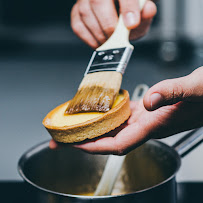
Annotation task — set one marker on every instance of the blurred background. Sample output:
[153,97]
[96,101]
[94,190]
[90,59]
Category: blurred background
[42,63]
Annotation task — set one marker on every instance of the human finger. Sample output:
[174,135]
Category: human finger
[149,10]
[130,10]
[188,88]
[53,144]
[136,110]
[90,21]
[56,145]
[177,118]
[121,144]
[106,14]
[80,29]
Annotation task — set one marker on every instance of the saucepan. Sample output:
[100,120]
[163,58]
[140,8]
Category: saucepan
[70,175]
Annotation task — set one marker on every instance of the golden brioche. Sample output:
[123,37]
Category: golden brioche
[69,128]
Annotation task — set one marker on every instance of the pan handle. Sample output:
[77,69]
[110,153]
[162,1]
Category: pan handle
[189,142]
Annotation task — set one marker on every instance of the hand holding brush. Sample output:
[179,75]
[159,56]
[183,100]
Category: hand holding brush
[103,76]
[65,133]
[94,21]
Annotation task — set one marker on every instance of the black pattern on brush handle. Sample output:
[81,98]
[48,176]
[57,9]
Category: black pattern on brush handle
[109,60]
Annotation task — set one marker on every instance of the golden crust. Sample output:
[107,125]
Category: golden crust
[92,128]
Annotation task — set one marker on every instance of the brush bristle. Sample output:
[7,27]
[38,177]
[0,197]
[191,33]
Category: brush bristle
[96,92]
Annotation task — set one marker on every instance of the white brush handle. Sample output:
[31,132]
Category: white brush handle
[120,37]
[111,171]
[114,163]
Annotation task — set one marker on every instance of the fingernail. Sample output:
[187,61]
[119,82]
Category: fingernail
[155,101]
[131,19]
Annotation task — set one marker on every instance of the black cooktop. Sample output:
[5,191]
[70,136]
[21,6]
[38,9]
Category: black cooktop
[19,192]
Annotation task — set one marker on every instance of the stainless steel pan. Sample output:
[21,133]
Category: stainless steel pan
[67,174]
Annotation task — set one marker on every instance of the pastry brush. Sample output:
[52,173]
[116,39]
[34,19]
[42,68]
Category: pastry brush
[103,76]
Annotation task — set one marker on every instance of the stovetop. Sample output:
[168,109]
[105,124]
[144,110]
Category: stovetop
[19,192]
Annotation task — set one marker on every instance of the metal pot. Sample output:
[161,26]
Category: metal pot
[68,175]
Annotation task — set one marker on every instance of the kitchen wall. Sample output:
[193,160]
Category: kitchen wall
[42,63]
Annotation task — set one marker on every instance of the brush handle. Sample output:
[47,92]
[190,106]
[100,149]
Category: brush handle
[114,163]
[120,37]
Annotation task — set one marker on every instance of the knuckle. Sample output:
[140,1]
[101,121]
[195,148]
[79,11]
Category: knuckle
[119,148]
[101,38]
[83,9]
[109,28]
[177,92]
[76,27]
[120,151]
[95,2]
[94,45]
[83,12]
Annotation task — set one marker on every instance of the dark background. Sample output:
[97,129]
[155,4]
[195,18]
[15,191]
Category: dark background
[35,12]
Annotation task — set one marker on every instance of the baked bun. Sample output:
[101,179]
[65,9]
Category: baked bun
[70,128]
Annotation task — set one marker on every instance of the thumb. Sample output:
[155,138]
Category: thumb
[167,92]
